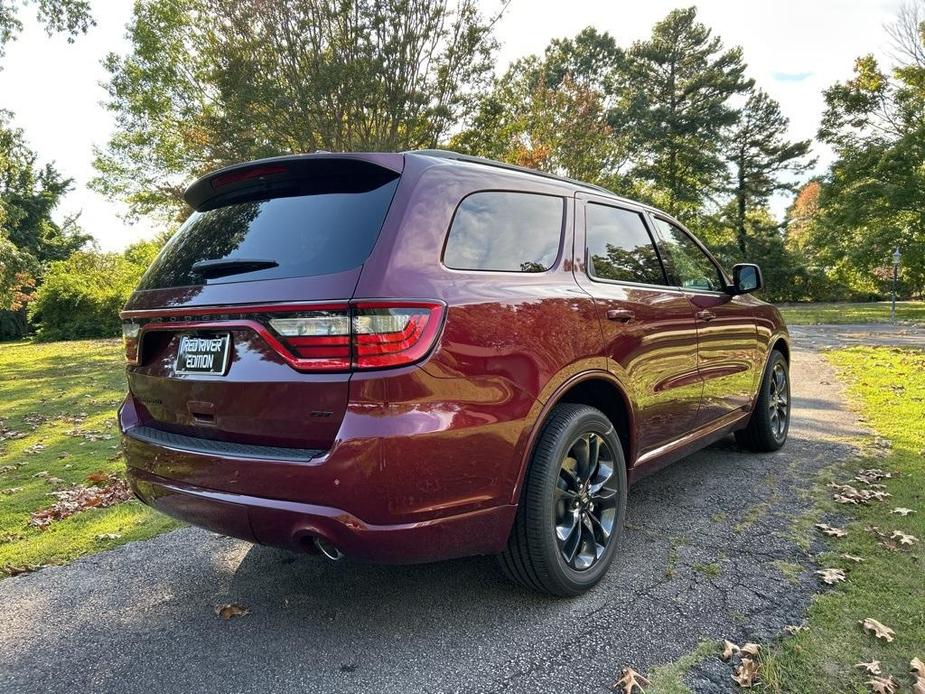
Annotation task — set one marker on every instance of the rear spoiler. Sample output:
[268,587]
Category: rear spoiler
[253,177]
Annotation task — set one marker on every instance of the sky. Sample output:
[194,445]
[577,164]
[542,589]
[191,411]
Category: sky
[794,50]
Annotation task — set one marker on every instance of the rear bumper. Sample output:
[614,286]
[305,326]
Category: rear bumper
[294,525]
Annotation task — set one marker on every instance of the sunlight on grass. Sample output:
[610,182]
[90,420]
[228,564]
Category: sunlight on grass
[63,397]
[841,313]
[889,585]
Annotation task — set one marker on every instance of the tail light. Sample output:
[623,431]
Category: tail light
[340,337]
[130,330]
[387,334]
[319,339]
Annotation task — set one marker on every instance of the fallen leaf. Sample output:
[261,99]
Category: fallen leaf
[11,570]
[917,666]
[231,609]
[872,668]
[80,498]
[11,490]
[97,477]
[882,685]
[729,649]
[846,494]
[903,538]
[793,629]
[108,536]
[752,649]
[831,576]
[884,540]
[830,531]
[746,673]
[918,687]
[881,631]
[872,475]
[630,679]
[902,511]
[851,557]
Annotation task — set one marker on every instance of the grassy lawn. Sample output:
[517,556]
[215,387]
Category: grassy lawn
[62,396]
[874,312]
[889,585]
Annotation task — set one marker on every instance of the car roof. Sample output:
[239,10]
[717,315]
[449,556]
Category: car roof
[451,156]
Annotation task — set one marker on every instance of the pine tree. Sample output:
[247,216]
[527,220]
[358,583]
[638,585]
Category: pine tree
[760,155]
[676,99]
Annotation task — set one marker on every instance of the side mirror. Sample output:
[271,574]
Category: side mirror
[746,278]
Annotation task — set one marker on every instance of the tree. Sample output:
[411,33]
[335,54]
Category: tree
[71,17]
[29,237]
[210,83]
[561,129]
[760,155]
[675,99]
[554,113]
[873,197]
[81,296]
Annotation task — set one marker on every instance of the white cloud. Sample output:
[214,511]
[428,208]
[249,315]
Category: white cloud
[53,87]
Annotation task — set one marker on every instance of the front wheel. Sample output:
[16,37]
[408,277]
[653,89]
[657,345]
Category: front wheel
[770,421]
[570,517]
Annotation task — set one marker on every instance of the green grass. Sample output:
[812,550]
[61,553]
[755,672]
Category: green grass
[669,679]
[63,396]
[889,387]
[874,312]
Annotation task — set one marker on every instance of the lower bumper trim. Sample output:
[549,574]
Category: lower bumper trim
[195,444]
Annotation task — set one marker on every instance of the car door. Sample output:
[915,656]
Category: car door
[649,330]
[727,336]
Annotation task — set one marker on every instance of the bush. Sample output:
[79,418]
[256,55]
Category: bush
[81,297]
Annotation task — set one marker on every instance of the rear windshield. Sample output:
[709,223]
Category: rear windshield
[303,234]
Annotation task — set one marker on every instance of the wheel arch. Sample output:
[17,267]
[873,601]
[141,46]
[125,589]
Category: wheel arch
[599,389]
[780,344]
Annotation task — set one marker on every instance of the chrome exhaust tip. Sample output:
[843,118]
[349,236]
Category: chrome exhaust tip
[328,550]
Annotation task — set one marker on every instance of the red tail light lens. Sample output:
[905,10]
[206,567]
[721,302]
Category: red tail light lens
[130,330]
[320,339]
[393,334]
[363,335]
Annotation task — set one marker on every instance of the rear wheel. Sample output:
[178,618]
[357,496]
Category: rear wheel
[570,517]
[770,421]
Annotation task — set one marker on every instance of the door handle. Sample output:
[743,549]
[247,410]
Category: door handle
[620,315]
[706,315]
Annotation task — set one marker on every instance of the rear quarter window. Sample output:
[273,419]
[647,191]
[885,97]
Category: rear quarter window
[505,232]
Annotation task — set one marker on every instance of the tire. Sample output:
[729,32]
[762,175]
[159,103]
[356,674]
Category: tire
[565,489]
[765,432]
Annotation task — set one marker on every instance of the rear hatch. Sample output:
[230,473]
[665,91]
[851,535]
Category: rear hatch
[240,331]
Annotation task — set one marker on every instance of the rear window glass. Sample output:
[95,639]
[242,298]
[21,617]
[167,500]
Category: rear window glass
[303,234]
[619,246]
[513,232]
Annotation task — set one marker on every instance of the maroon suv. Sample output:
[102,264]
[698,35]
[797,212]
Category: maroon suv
[410,357]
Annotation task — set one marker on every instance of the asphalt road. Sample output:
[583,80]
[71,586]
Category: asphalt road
[701,557]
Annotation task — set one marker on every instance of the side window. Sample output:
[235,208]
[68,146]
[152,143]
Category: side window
[619,246]
[513,232]
[691,267]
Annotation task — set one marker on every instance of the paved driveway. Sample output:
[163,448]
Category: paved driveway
[701,559]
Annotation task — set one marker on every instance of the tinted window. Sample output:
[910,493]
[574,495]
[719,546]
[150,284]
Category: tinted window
[619,246]
[689,265]
[311,234]
[517,232]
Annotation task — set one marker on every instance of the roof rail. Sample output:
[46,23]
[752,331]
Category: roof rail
[448,154]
